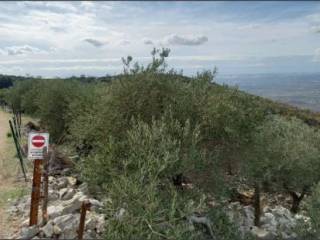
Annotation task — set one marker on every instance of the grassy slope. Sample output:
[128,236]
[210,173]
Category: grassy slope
[10,186]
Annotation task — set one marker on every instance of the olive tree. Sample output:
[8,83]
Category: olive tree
[285,154]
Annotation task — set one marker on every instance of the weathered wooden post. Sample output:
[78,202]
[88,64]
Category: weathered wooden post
[35,194]
[45,185]
[85,206]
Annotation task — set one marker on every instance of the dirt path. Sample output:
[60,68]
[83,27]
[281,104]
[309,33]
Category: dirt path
[10,186]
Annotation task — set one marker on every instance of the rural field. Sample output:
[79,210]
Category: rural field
[160,120]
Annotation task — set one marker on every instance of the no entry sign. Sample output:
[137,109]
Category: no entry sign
[36,143]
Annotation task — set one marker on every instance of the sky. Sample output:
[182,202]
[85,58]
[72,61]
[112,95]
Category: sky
[61,39]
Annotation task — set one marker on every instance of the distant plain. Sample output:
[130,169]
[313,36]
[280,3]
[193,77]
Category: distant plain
[300,89]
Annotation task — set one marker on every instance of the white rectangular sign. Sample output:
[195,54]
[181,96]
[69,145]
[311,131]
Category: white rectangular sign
[36,143]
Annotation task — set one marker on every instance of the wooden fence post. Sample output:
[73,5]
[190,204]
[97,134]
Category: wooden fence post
[85,206]
[35,195]
[45,185]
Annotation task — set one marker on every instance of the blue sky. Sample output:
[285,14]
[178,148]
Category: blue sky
[73,38]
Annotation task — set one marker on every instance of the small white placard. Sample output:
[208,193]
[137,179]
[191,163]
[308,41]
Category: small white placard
[36,143]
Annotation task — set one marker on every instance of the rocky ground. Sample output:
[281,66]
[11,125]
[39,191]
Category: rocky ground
[276,222]
[65,199]
[66,196]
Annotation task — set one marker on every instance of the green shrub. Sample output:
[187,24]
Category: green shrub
[145,94]
[53,105]
[284,154]
[164,148]
[137,183]
[310,230]
[15,93]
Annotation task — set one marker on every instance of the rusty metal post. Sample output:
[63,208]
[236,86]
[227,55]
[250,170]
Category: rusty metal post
[45,185]
[35,195]
[85,206]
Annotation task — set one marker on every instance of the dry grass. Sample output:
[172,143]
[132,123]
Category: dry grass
[12,185]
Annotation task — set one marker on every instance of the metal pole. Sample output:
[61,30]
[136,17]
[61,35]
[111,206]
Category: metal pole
[20,122]
[85,206]
[45,185]
[15,125]
[35,195]
[18,150]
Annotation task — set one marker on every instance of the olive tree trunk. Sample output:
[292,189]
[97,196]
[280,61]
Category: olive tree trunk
[257,205]
[296,200]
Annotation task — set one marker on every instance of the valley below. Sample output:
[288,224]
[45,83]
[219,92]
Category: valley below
[301,90]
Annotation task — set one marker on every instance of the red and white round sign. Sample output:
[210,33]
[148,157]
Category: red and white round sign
[38,141]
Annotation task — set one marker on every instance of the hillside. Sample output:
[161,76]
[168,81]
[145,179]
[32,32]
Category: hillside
[176,157]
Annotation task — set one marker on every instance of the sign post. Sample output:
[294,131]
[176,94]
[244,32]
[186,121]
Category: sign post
[37,142]
[45,186]
[84,207]
[35,195]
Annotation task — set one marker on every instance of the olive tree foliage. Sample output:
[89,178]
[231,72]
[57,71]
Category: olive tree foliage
[53,103]
[284,154]
[16,93]
[146,127]
[144,93]
[138,180]
[135,175]
[164,145]
[3,96]
[230,117]
[47,100]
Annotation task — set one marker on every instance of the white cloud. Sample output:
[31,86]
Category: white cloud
[316,57]
[315,29]
[95,42]
[147,41]
[63,61]
[15,70]
[56,7]
[58,29]
[87,4]
[185,40]
[313,18]
[20,50]
[124,42]
[249,26]
[80,67]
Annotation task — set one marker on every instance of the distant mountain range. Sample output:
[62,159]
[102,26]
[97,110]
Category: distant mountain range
[300,89]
